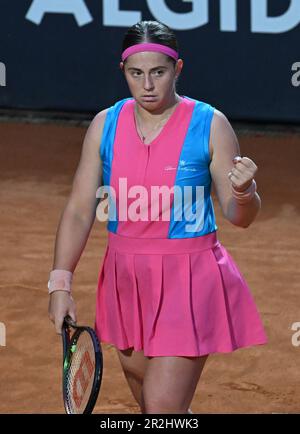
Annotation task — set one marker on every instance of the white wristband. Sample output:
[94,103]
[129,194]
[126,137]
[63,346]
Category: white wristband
[60,280]
[246,195]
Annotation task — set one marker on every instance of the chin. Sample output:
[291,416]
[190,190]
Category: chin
[150,105]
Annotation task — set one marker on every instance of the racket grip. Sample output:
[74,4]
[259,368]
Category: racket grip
[69,321]
[60,280]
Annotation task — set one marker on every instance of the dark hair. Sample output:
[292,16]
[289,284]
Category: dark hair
[150,31]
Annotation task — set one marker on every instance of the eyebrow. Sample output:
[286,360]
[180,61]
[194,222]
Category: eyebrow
[152,69]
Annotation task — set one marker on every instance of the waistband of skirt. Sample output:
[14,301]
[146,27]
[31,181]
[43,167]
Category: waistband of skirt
[129,245]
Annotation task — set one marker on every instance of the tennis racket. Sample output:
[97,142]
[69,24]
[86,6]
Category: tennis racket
[82,367]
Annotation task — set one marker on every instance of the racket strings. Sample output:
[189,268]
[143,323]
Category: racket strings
[80,375]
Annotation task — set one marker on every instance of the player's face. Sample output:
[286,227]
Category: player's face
[151,78]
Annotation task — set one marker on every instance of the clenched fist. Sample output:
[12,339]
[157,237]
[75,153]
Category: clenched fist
[243,172]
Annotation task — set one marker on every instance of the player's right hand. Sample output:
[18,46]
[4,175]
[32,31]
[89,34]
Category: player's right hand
[61,303]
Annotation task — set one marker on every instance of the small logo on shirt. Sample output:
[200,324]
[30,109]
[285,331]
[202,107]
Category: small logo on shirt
[170,168]
[183,165]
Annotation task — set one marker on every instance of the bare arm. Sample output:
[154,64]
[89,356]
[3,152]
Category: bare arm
[224,147]
[77,218]
[79,212]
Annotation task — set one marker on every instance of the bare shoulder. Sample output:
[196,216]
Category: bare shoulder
[97,123]
[94,132]
[100,116]
[221,130]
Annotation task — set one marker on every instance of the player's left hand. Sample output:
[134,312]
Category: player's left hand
[243,172]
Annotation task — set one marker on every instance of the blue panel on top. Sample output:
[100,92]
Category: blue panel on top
[192,201]
[106,152]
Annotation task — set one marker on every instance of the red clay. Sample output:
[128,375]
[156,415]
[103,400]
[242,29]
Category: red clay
[37,166]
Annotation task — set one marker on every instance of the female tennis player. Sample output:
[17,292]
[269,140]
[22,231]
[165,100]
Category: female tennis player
[169,293]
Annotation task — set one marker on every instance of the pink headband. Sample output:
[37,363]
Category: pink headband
[149,47]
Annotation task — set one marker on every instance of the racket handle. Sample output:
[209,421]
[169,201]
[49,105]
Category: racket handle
[69,321]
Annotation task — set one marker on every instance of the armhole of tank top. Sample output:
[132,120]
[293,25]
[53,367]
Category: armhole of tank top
[110,122]
[105,128]
[207,130]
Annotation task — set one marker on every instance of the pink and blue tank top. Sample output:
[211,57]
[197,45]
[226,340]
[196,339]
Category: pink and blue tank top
[178,157]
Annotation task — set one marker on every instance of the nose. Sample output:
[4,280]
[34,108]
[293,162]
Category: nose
[148,83]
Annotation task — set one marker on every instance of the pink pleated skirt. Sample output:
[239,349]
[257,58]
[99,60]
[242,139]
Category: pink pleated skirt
[174,297]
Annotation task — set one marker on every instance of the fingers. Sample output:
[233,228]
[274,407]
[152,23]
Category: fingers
[240,164]
[233,178]
[59,323]
[72,314]
[61,304]
[236,170]
[244,162]
[243,172]
[240,180]
[59,320]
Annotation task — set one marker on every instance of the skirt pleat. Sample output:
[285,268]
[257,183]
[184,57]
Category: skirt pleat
[175,304]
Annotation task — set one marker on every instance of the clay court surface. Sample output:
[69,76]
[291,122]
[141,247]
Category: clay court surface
[38,162]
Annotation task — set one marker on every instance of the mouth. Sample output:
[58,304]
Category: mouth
[148,97]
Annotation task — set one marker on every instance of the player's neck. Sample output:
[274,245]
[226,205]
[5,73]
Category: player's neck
[152,117]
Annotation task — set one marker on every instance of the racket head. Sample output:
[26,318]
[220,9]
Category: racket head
[82,368]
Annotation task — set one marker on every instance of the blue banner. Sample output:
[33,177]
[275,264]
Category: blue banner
[241,56]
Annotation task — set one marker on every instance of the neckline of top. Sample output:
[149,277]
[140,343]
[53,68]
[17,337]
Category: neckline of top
[164,128]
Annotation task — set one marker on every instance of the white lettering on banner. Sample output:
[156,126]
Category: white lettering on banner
[261,23]
[228,11]
[296,77]
[78,8]
[2,335]
[180,21]
[114,16]
[2,74]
